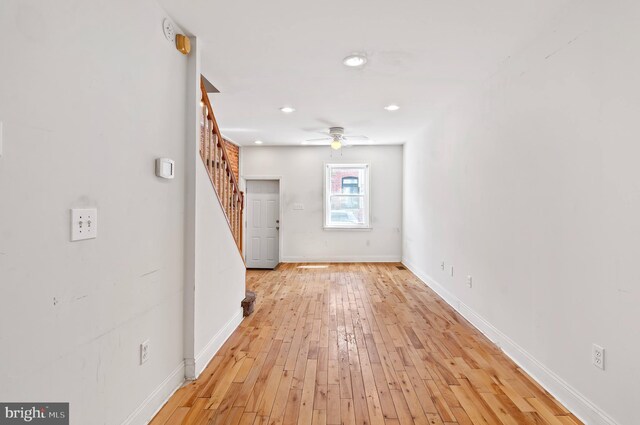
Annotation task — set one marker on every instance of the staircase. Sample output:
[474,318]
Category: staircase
[216,160]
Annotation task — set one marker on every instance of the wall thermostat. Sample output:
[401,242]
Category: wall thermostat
[165,168]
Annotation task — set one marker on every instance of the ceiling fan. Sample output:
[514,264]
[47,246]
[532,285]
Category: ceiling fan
[337,138]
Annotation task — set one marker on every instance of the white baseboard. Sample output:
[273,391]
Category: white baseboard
[344,259]
[572,399]
[206,354]
[154,402]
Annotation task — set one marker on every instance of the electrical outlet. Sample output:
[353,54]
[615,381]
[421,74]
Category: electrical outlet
[442,266]
[597,355]
[469,281]
[451,271]
[145,351]
[84,224]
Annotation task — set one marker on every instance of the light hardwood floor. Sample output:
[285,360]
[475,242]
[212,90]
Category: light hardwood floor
[358,344]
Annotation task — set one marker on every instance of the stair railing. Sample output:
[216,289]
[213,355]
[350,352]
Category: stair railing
[216,161]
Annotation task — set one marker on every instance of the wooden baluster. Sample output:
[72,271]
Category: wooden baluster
[203,154]
[212,152]
[230,201]
[238,221]
[203,118]
[231,211]
[219,169]
[229,186]
[230,198]
[216,169]
[207,144]
[220,175]
[233,214]
[211,149]
[208,152]
[240,240]
[204,139]
[231,190]
[223,186]
[225,194]
[229,195]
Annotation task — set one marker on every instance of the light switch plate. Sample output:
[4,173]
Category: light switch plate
[298,206]
[84,224]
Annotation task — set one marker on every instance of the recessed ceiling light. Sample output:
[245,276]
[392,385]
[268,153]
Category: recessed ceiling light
[258,142]
[392,107]
[287,109]
[355,61]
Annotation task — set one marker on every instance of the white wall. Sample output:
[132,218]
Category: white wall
[302,172]
[90,94]
[530,185]
[220,275]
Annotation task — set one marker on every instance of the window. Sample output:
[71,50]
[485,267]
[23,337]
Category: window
[350,185]
[346,196]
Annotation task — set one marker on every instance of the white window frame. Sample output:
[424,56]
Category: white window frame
[328,167]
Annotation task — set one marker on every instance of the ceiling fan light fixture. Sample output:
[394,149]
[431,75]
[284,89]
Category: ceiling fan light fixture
[392,107]
[336,144]
[355,61]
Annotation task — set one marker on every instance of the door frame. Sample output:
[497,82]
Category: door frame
[280,212]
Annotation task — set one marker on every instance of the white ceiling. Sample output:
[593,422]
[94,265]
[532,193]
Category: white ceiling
[262,55]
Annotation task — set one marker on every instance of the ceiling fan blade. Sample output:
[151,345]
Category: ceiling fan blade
[319,139]
[356,137]
[324,142]
[315,130]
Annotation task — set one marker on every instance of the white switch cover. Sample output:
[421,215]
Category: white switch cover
[84,224]
[298,206]
[469,281]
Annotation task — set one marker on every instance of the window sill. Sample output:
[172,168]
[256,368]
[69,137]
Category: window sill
[359,228]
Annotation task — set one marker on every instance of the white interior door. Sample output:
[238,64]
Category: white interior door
[263,224]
